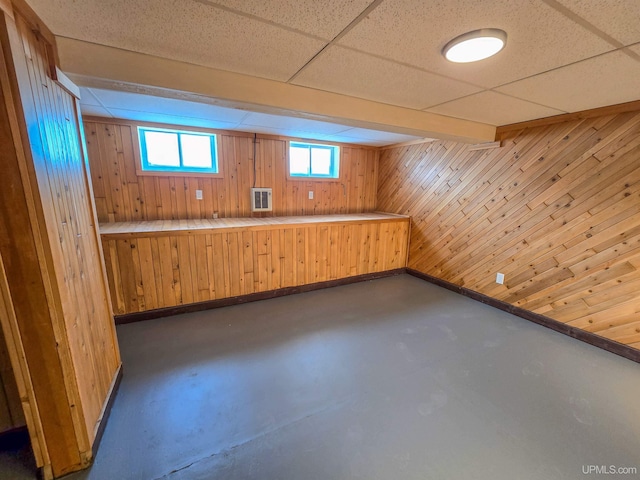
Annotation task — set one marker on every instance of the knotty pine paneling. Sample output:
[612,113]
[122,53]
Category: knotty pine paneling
[150,270]
[556,209]
[51,251]
[122,195]
[65,192]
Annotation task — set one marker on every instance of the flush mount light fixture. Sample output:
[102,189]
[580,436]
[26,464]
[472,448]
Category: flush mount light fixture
[474,46]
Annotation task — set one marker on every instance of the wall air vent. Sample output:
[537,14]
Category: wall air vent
[261,200]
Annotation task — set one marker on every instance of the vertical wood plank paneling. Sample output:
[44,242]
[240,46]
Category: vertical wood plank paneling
[556,209]
[11,414]
[64,320]
[224,264]
[121,195]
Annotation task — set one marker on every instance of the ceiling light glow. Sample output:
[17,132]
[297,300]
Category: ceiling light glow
[474,46]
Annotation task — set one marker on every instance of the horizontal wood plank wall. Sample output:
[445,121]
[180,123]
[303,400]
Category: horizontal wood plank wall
[556,209]
[150,271]
[121,195]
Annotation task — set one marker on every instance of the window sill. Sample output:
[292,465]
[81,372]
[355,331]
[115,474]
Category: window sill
[148,173]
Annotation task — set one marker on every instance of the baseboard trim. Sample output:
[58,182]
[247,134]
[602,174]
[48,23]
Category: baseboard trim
[106,411]
[587,337]
[251,297]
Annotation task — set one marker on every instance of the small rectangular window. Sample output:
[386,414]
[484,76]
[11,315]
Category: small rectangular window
[311,160]
[177,151]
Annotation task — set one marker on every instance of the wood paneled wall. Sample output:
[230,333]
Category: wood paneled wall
[50,247]
[157,270]
[556,209]
[122,195]
[11,414]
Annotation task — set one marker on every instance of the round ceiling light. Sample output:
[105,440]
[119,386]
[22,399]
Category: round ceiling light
[474,46]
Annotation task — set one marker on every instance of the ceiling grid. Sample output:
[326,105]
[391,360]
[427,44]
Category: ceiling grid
[562,56]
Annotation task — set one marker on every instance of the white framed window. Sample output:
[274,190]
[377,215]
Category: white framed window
[177,151]
[313,160]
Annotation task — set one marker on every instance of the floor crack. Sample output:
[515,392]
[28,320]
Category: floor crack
[254,438]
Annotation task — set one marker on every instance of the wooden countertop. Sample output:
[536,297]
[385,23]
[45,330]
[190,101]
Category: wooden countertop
[156,228]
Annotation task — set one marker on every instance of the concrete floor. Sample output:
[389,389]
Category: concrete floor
[16,456]
[389,379]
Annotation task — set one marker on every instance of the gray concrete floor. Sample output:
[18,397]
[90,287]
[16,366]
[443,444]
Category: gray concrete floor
[389,379]
[16,456]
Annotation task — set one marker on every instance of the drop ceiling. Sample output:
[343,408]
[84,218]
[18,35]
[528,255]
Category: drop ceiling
[561,56]
[147,108]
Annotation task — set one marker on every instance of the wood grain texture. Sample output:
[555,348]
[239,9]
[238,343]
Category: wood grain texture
[568,117]
[162,228]
[56,286]
[67,210]
[22,376]
[556,209]
[122,195]
[11,414]
[25,292]
[147,271]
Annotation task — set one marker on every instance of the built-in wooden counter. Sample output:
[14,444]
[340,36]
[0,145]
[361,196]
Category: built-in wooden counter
[168,263]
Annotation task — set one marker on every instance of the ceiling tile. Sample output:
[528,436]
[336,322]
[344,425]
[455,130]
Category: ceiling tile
[94,111]
[254,119]
[170,119]
[147,108]
[360,75]
[605,80]
[360,140]
[415,32]
[87,98]
[377,135]
[187,31]
[619,19]
[494,108]
[291,132]
[325,19]
[166,106]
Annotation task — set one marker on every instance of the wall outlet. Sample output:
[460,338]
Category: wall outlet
[500,278]
[215,215]
[198,194]
[310,194]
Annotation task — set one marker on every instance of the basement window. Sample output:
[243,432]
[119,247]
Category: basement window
[313,160]
[164,150]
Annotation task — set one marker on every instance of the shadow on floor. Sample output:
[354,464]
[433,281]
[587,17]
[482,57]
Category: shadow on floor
[16,456]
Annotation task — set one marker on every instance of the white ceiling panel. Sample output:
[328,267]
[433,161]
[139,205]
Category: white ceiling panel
[561,55]
[94,111]
[255,119]
[367,141]
[170,119]
[87,98]
[605,80]
[494,108]
[285,132]
[188,31]
[372,139]
[539,37]
[389,137]
[147,108]
[324,19]
[619,19]
[168,106]
[352,73]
